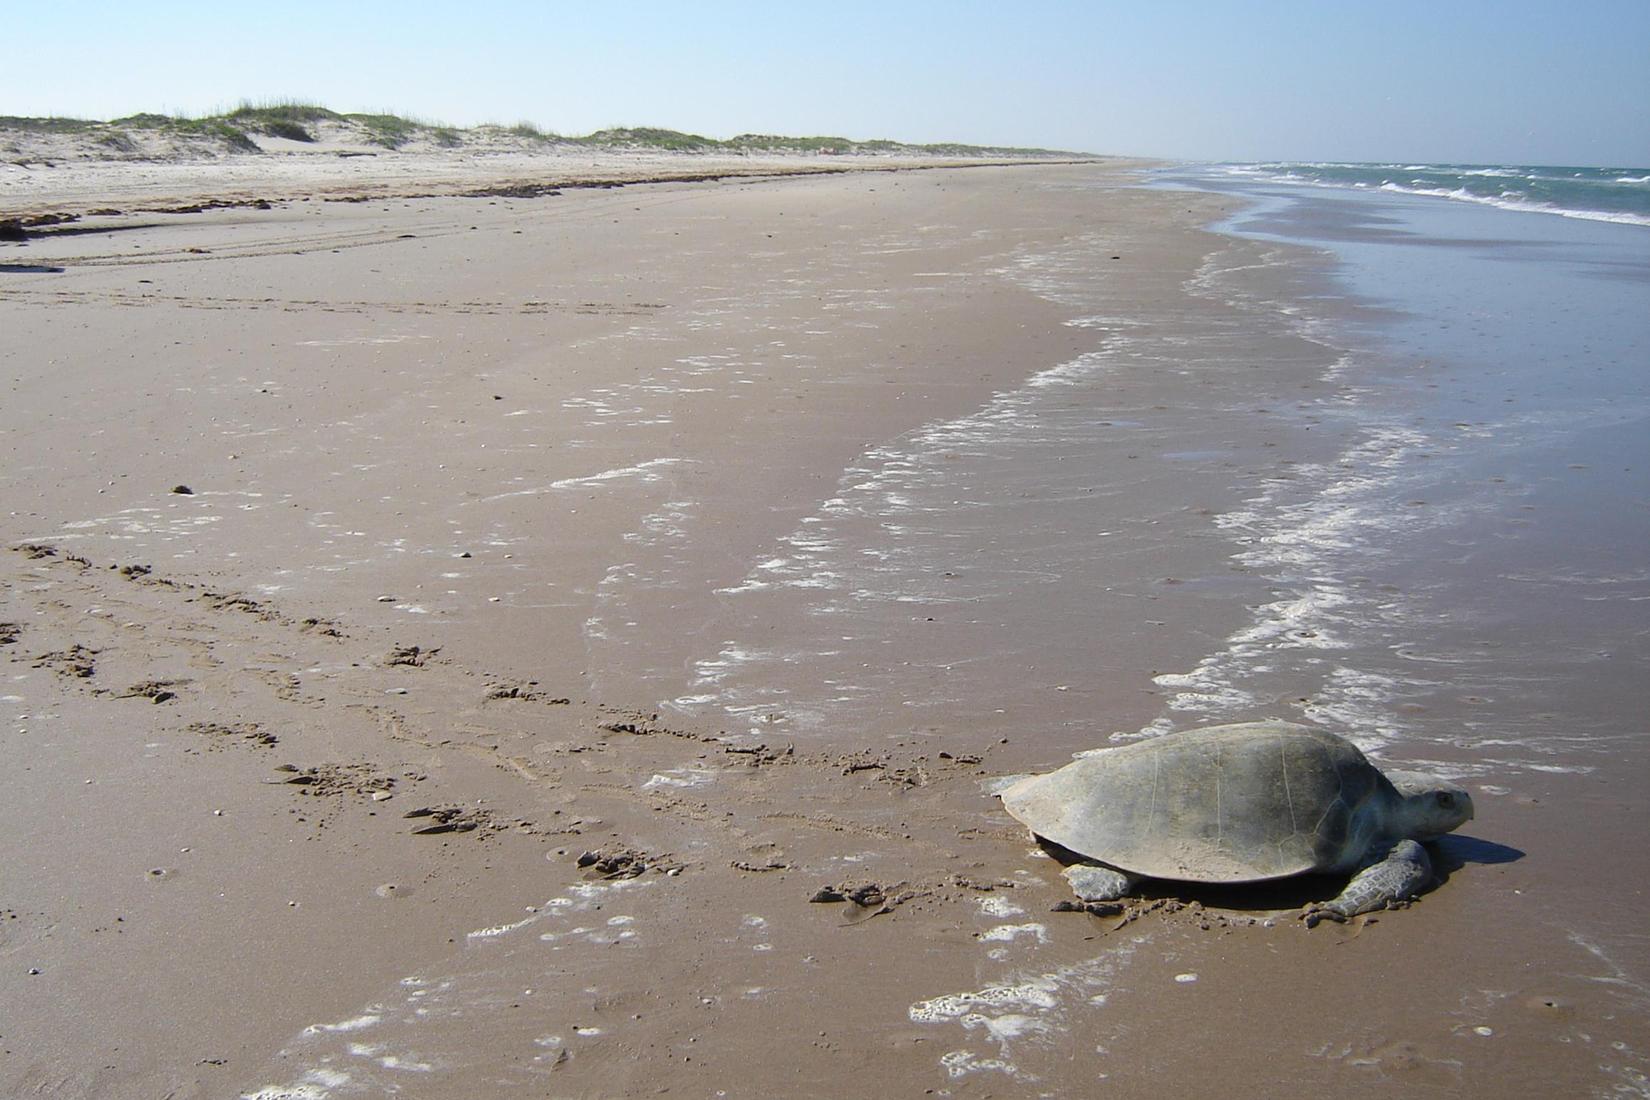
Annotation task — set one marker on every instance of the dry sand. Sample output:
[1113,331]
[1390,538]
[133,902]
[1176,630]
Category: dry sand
[301,764]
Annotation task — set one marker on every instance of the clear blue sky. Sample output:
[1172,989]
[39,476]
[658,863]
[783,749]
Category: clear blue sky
[1463,80]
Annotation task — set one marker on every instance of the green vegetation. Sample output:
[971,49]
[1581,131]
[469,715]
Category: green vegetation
[676,141]
[390,131]
[777,143]
[286,110]
[531,132]
[290,130]
[215,129]
[117,141]
[48,125]
[295,120]
[646,137]
[279,118]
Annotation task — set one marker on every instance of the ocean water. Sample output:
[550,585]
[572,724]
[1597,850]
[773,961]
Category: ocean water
[1595,194]
[1480,553]
[1462,581]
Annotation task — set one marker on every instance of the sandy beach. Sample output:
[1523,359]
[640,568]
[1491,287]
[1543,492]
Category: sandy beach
[454,623]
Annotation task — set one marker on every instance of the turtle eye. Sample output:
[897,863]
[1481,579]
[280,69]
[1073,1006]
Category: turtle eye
[1445,799]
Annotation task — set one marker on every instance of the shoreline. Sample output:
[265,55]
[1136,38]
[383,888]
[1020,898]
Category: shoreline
[456,529]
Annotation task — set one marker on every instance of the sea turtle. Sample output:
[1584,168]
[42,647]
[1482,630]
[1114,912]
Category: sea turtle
[1242,803]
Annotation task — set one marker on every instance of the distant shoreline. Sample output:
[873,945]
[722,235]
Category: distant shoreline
[302,127]
[205,188]
[56,171]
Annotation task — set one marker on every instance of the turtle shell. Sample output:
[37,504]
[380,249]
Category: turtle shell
[1236,803]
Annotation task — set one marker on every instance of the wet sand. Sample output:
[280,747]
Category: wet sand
[499,549]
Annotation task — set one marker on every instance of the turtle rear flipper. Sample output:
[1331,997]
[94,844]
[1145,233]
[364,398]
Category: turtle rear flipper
[1403,873]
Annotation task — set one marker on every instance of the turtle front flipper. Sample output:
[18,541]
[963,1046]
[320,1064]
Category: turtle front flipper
[1402,874]
[1094,882]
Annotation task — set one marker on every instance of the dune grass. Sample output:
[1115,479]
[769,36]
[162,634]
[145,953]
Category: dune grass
[532,132]
[285,118]
[49,125]
[283,110]
[387,130]
[650,137]
[214,128]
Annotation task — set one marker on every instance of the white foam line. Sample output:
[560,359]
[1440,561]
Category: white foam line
[645,471]
[315,1084]
[355,1023]
[1299,545]
[691,776]
[500,929]
[1022,1007]
[1008,933]
[1000,907]
[1272,173]
[1037,993]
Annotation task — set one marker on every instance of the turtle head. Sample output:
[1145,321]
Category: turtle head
[1431,806]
